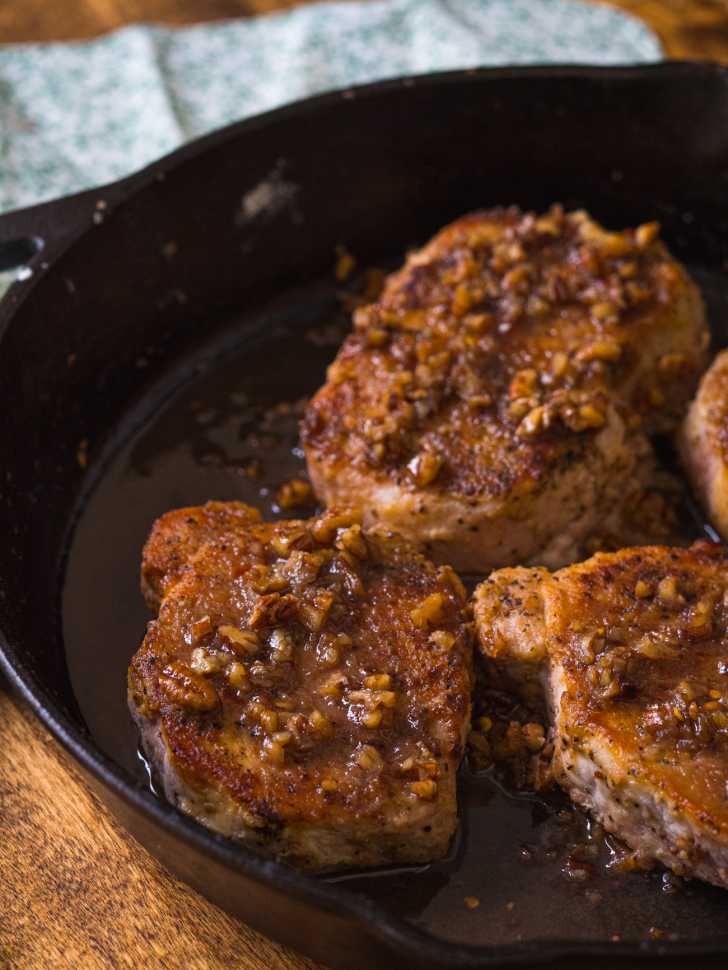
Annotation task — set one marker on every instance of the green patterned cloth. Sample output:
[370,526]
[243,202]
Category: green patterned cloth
[81,114]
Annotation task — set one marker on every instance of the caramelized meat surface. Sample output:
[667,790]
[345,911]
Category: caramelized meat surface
[628,652]
[306,685]
[703,443]
[493,403]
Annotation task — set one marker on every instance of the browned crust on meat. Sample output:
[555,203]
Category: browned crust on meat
[169,550]
[654,685]
[311,676]
[703,443]
[489,361]
[639,639]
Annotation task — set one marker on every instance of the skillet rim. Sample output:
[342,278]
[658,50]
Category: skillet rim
[395,933]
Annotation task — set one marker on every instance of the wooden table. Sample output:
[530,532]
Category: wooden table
[75,890]
[687,28]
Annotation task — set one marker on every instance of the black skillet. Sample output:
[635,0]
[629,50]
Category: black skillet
[165,313]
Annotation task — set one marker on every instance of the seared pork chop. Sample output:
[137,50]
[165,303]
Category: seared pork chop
[703,443]
[306,685]
[492,403]
[629,652]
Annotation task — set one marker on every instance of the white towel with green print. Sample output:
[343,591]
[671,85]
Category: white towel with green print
[74,115]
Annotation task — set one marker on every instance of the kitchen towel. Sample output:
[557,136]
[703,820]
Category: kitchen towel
[74,115]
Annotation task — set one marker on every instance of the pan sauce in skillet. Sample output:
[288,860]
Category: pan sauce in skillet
[210,428]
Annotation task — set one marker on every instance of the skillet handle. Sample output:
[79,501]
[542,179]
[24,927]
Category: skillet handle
[25,233]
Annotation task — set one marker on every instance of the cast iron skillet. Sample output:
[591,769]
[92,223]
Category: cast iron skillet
[214,262]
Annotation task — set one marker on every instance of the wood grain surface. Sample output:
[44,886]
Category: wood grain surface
[75,890]
[688,28]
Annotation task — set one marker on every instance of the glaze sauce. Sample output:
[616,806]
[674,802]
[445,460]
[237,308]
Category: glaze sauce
[531,866]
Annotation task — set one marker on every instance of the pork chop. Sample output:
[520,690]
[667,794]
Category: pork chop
[703,443]
[305,687]
[628,651]
[492,404]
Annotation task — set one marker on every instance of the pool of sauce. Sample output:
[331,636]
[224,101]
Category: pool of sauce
[530,866]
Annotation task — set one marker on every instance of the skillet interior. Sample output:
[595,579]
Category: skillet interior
[106,352]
